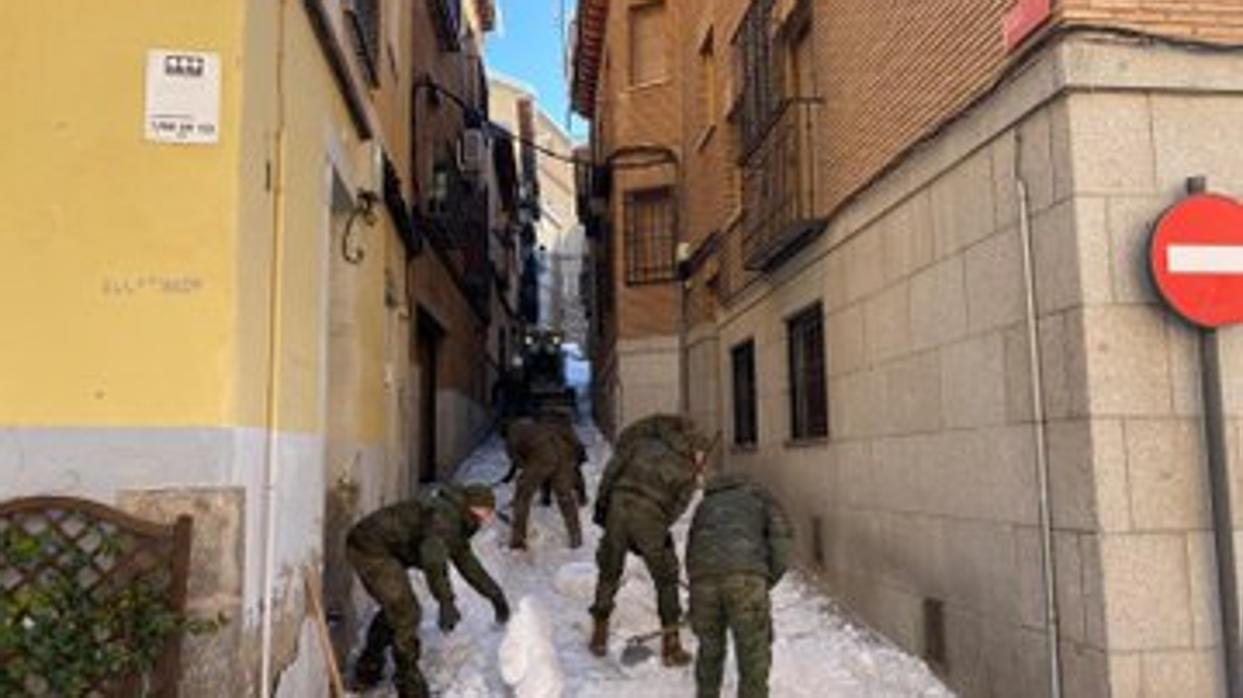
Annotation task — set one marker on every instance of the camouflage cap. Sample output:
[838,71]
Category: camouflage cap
[479,496]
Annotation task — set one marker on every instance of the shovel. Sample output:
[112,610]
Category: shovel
[636,650]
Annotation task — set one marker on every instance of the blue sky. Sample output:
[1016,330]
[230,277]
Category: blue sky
[529,47]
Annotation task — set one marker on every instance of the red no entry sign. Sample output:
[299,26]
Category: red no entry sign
[1197,259]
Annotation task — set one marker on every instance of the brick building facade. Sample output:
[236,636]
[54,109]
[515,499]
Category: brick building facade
[859,187]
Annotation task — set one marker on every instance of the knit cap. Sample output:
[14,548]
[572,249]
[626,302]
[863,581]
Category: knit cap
[479,496]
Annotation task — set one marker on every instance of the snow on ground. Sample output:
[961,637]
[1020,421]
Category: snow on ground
[817,653]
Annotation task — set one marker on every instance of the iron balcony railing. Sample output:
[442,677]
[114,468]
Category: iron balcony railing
[779,187]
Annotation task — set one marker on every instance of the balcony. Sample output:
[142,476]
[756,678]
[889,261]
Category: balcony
[780,213]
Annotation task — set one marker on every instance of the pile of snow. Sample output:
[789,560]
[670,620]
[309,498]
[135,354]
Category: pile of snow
[528,659]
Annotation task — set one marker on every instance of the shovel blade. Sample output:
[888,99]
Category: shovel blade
[636,653]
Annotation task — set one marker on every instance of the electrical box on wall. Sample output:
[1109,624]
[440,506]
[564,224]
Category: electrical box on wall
[370,165]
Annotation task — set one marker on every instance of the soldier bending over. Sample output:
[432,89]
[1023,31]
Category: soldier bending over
[645,488]
[425,532]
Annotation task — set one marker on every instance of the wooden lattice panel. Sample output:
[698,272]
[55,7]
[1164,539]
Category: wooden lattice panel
[45,541]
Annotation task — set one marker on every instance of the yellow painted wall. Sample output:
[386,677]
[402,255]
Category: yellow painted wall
[134,276]
[95,220]
[314,118]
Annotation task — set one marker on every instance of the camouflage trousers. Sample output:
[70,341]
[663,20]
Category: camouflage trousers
[736,604]
[396,624]
[580,488]
[634,525]
[562,483]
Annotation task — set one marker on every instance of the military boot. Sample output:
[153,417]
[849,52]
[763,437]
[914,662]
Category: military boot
[671,652]
[599,645]
[368,670]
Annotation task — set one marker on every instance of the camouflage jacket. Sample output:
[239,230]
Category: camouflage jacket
[738,528]
[653,460]
[427,532]
[541,448]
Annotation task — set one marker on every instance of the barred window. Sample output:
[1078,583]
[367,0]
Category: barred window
[650,236]
[809,409]
[743,364]
[759,95]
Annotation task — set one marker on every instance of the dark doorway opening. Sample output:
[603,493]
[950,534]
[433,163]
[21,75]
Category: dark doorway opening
[429,335]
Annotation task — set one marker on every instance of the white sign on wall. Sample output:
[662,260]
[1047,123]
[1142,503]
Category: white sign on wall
[183,96]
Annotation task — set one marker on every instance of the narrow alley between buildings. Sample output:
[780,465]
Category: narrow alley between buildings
[818,651]
[952,288]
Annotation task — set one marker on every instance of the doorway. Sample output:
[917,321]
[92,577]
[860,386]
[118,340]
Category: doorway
[428,336]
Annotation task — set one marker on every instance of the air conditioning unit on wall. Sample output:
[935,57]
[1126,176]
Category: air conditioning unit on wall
[472,151]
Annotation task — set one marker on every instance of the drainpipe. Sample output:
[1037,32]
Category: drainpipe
[272,407]
[1039,428]
[684,380]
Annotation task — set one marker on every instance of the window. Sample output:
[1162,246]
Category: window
[648,49]
[809,409]
[799,80]
[447,16]
[364,16]
[771,66]
[743,362]
[759,94]
[650,236]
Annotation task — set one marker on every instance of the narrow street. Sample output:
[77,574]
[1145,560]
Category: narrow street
[958,282]
[817,652]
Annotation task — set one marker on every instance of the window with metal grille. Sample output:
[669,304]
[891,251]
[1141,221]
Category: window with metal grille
[809,408]
[648,49]
[745,422]
[364,16]
[759,96]
[650,236]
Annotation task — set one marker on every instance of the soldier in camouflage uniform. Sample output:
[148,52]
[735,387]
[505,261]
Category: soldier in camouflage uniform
[645,488]
[738,549]
[426,532]
[545,453]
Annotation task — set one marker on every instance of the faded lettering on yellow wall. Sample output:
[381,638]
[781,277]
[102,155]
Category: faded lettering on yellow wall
[147,284]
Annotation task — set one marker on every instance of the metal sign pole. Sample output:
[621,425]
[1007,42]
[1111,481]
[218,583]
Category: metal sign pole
[1223,522]
[1219,490]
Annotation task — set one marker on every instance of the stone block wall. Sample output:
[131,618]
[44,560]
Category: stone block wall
[927,487]
[1136,404]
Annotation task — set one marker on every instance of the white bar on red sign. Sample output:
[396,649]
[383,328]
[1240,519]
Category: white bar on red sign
[1205,259]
